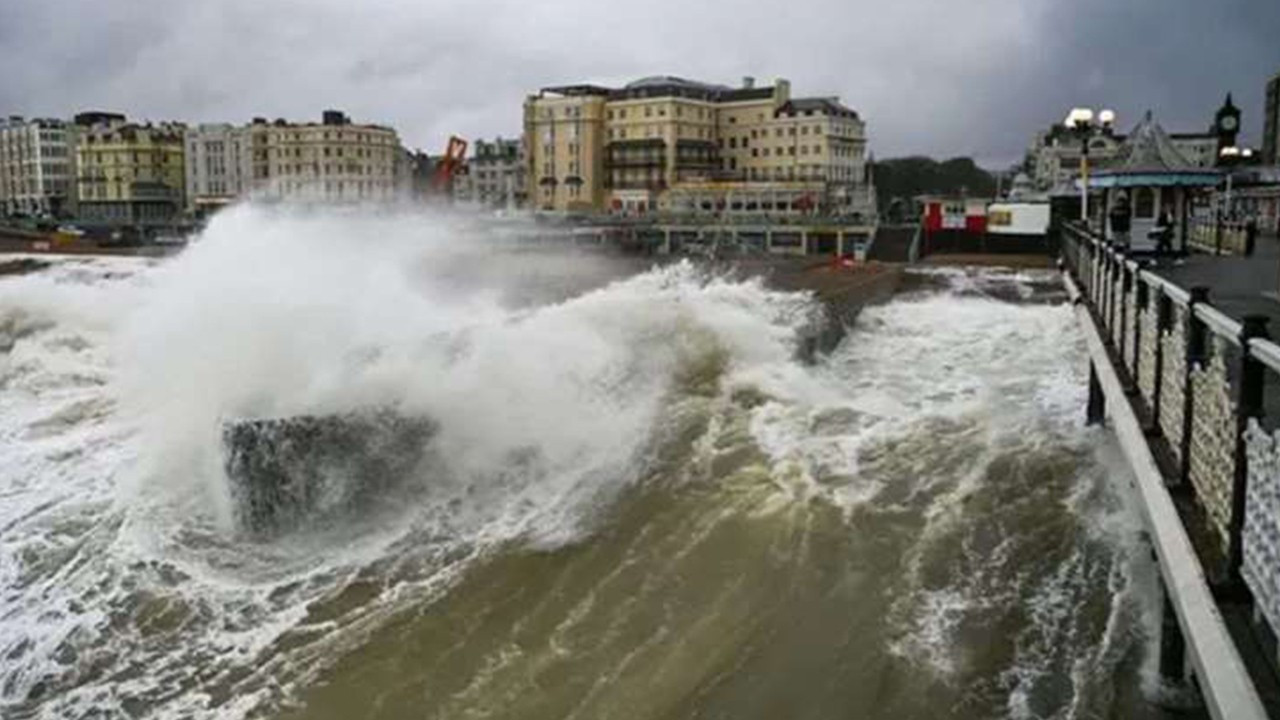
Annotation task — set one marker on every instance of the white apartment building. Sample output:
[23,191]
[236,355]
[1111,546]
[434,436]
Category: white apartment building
[218,168]
[37,168]
[494,176]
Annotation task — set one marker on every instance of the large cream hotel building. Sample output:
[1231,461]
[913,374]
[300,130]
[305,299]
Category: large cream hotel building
[674,145]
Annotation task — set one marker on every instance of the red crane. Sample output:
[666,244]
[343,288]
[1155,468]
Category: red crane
[448,166]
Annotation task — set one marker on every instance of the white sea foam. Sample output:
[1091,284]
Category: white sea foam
[119,546]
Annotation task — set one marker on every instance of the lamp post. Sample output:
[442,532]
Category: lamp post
[1083,122]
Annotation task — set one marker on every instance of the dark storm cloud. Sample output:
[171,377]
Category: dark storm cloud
[938,78]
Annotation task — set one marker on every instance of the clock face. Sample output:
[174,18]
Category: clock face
[1229,122]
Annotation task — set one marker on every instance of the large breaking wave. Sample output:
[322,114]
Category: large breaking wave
[921,511]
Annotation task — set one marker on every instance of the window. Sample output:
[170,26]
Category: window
[610,114]
[817,129]
[804,149]
[648,111]
[804,130]
[733,120]
[1144,203]
[791,150]
[777,132]
[733,142]
[791,131]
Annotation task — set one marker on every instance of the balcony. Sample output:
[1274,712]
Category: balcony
[637,161]
[651,152]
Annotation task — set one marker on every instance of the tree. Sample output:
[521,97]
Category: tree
[902,179]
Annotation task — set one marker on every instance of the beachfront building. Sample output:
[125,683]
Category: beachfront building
[217,166]
[494,176]
[680,146]
[128,173]
[333,161]
[1271,123]
[36,166]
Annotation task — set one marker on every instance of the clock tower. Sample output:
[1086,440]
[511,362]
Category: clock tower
[1226,124]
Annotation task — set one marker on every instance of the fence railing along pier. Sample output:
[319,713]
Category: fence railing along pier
[1204,388]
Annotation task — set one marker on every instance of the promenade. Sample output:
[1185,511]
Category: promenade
[1238,286]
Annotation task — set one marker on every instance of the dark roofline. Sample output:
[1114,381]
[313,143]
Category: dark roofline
[830,106]
[708,93]
[575,90]
[677,88]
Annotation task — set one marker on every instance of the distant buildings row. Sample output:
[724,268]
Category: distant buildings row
[102,169]
[656,145]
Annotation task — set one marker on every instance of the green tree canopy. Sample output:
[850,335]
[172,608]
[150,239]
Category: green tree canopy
[905,178]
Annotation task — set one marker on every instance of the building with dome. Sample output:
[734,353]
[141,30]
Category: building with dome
[666,144]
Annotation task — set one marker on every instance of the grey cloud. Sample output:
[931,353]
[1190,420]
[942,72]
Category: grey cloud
[938,78]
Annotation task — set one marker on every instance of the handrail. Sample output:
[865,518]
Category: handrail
[1266,352]
[1219,322]
[1170,290]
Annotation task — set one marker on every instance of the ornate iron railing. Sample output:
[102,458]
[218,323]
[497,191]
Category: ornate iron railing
[1200,382]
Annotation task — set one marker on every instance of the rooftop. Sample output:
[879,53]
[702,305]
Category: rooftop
[656,86]
[827,105]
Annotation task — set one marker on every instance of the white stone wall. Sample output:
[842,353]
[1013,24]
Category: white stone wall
[1130,329]
[1173,352]
[1213,442]
[1147,341]
[1261,567]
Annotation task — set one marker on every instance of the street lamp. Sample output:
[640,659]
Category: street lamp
[1084,123]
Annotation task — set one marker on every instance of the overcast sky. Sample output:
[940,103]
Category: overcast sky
[934,77]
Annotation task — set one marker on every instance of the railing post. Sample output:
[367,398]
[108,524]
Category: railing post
[1195,352]
[1217,236]
[1164,313]
[1141,300]
[1173,647]
[1096,411]
[1110,290]
[1248,406]
[1126,286]
[1117,299]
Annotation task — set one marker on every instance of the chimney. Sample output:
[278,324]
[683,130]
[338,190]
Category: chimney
[748,82]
